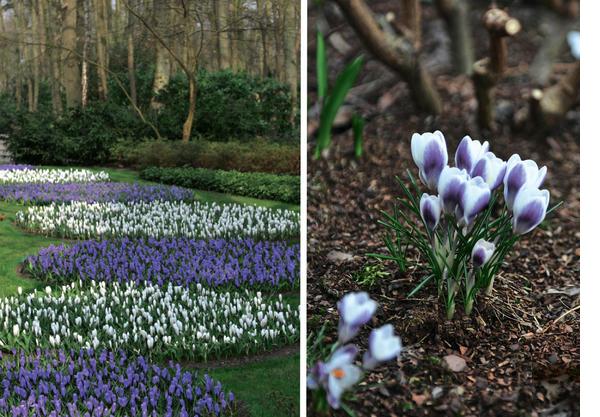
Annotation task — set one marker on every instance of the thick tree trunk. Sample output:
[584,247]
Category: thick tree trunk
[456,16]
[71,74]
[404,62]
[291,60]
[224,53]
[85,54]
[189,121]
[100,14]
[162,62]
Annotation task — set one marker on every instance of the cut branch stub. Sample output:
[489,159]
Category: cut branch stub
[499,26]
[550,105]
[484,82]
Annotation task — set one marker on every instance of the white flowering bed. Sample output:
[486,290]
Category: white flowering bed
[164,323]
[81,220]
[43,175]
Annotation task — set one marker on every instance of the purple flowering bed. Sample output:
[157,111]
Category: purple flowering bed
[180,261]
[88,383]
[92,192]
[15,167]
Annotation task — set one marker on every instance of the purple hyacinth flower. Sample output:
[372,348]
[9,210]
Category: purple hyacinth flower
[529,209]
[451,187]
[430,155]
[521,174]
[431,210]
[356,309]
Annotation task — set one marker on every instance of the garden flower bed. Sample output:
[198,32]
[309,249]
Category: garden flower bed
[92,192]
[103,383]
[80,220]
[180,261]
[22,175]
[15,167]
[161,323]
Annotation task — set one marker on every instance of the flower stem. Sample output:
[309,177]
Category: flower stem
[490,287]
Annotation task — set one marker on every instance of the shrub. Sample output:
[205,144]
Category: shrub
[284,188]
[254,156]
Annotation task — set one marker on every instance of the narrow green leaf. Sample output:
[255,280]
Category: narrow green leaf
[418,287]
[358,125]
[321,66]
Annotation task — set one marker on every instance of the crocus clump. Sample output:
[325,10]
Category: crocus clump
[85,382]
[339,372]
[458,224]
[50,175]
[160,218]
[179,261]
[92,192]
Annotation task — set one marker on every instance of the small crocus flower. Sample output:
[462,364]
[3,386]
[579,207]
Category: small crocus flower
[341,374]
[431,210]
[529,209]
[468,152]
[482,252]
[451,186]
[475,199]
[521,174]
[431,156]
[491,168]
[383,346]
[356,309]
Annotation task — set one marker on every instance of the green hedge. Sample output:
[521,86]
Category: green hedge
[284,188]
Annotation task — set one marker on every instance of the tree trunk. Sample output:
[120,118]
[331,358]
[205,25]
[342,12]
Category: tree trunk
[85,57]
[100,14]
[456,16]
[54,17]
[189,121]
[71,74]
[162,63]
[405,62]
[131,60]
[222,8]
[291,59]
[410,18]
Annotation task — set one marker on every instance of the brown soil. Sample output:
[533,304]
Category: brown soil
[521,345]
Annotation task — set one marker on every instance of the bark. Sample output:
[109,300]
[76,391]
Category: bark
[189,121]
[71,74]
[131,60]
[291,59]
[86,44]
[101,47]
[456,17]
[3,55]
[550,105]
[404,62]
[35,55]
[162,70]
[224,53]
[410,18]
[485,83]
[55,55]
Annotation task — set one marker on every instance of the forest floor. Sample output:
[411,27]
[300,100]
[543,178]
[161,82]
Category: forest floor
[521,345]
[265,385]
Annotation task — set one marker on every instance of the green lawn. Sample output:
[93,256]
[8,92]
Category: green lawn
[269,388]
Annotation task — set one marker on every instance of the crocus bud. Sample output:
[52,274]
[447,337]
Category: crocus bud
[491,168]
[529,209]
[431,156]
[521,174]
[341,374]
[475,199]
[356,309]
[431,210]
[482,252]
[468,152]
[451,186]
[383,346]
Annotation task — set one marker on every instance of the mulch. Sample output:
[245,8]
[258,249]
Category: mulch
[521,345]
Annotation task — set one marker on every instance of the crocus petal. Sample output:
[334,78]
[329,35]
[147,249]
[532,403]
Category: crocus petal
[431,210]
[482,252]
[340,380]
[529,209]
[383,346]
[521,174]
[468,152]
[451,186]
[430,155]
[491,168]
[355,310]
[474,200]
